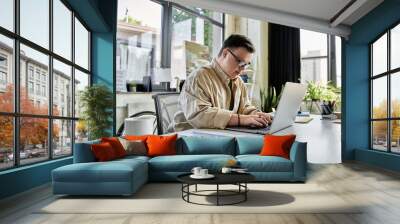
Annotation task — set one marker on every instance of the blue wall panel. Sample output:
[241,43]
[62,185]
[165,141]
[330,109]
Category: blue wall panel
[24,178]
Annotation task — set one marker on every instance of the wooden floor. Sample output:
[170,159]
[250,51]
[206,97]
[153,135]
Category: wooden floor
[378,188]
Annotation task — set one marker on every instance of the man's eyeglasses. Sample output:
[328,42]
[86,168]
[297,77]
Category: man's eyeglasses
[241,64]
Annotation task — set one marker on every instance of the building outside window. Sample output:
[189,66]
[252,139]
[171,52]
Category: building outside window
[316,66]
[314,56]
[30,87]
[30,72]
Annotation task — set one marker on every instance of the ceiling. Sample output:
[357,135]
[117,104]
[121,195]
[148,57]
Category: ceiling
[327,16]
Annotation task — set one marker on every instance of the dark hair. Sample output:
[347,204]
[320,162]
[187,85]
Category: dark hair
[236,41]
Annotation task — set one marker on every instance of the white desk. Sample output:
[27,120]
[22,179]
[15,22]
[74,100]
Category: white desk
[323,138]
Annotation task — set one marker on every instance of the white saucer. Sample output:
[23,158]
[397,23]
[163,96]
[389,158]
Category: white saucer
[208,176]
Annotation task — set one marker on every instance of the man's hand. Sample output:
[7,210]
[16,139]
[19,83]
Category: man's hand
[254,120]
[257,120]
[267,117]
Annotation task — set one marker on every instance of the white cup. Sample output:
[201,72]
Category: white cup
[203,172]
[196,171]
[226,170]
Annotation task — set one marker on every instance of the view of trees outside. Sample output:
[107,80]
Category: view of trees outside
[33,131]
[379,128]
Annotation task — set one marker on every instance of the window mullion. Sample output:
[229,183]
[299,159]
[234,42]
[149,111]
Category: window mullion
[50,81]
[73,82]
[16,84]
[389,101]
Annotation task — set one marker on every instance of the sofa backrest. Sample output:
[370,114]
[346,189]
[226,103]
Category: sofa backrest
[191,145]
[194,145]
[249,145]
[83,153]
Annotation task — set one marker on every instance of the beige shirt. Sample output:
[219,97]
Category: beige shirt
[205,99]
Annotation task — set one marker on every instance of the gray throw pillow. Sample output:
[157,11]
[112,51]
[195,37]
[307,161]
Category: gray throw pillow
[134,147]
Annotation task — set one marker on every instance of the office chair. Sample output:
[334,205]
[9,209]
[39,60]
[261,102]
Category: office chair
[121,128]
[166,106]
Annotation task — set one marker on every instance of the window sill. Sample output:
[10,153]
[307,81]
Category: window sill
[30,166]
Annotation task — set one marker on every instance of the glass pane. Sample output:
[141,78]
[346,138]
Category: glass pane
[395,94]
[379,135]
[217,16]
[379,98]
[338,45]
[138,41]
[81,131]
[6,74]
[395,47]
[62,29]
[7,14]
[33,139]
[6,142]
[314,70]
[34,79]
[212,38]
[395,136]
[379,55]
[81,81]
[62,89]
[194,42]
[81,45]
[313,44]
[35,21]
[62,138]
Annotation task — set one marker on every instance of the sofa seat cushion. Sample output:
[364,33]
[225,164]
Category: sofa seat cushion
[185,163]
[257,163]
[113,171]
[133,158]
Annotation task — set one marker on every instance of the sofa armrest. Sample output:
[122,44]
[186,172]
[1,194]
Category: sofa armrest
[83,152]
[298,155]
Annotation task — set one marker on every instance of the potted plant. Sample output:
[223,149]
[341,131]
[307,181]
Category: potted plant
[269,99]
[96,102]
[313,94]
[330,96]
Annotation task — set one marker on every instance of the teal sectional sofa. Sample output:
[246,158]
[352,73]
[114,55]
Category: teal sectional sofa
[125,176]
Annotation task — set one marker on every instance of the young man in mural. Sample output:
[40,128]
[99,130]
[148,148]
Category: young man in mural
[214,96]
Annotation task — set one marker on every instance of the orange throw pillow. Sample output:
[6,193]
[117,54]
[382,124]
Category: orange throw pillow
[116,145]
[103,152]
[136,137]
[161,145]
[275,145]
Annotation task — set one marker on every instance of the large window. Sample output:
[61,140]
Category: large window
[196,39]
[171,36]
[320,58]
[40,80]
[385,95]
[138,42]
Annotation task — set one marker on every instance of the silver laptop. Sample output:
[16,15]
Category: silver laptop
[285,115]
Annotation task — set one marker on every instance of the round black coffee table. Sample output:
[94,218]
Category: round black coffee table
[238,179]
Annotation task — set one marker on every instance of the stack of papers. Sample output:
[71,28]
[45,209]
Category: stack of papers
[303,120]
